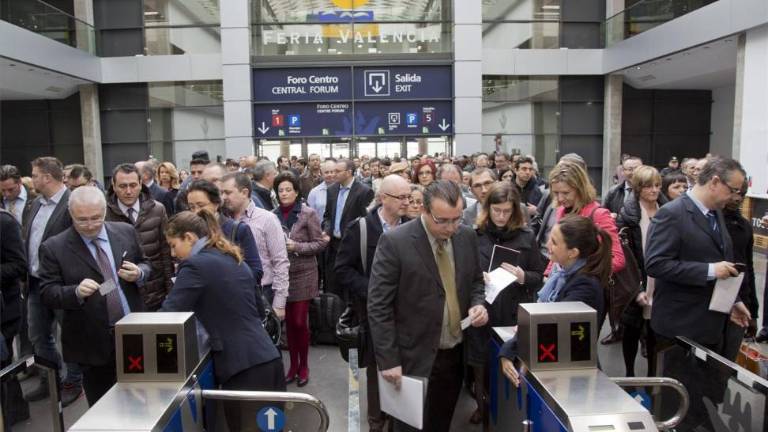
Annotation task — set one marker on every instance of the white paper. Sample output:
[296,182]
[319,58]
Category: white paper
[725,294]
[107,287]
[497,281]
[407,403]
[466,322]
[506,333]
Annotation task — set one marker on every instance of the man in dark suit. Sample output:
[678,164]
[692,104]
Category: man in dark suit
[425,279]
[614,199]
[687,251]
[92,256]
[158,193]
[346,200]
[43,219]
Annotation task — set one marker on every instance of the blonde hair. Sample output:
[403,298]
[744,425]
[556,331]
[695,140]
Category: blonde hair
[171,172]
[573,175]
[644,176]
[500,193]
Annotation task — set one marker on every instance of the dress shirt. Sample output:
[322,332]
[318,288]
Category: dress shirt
[317,199]
[103,240]
[37,228]
[270,240]
[18,204]
[704,210]
[341,200]
[447,340]
[136,208]
[384,225]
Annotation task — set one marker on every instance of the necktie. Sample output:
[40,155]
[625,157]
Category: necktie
[114,305]
[712,219]
[448,277]
[131,215]
[340,201]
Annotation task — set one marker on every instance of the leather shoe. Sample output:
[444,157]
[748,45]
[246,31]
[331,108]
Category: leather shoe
[290,378]
[70,393]
[762,335]
[38,393]
[302,382]
[611,338]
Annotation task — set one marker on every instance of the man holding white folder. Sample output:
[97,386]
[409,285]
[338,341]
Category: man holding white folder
[426,286]
[688,251]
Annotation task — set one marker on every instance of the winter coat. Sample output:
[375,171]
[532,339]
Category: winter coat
[303,228]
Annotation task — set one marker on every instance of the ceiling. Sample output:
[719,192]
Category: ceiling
[21,81]
[704,67]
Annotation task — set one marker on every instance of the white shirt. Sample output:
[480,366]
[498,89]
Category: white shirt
[37,227]
[124,208]
[317,199]
[19,203]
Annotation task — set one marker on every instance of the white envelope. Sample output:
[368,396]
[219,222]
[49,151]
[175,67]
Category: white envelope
[724,295]
[498,280]
[407,403]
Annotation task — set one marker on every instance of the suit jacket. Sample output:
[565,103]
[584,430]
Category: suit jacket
[679,247]
[163,196]
[58,222]
[64,262]
[358,199]
[13,268]
[220,293]
[406,297]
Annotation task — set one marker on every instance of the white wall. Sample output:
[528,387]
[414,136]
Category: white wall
[721,140]
[753,148]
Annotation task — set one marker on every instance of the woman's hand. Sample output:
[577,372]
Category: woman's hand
[290,245]
[642,299]
[515,270]
[508,368]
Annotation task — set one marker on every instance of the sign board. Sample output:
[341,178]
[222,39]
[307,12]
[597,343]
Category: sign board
[298,85]
[404,118]
[403,82]
[296,120]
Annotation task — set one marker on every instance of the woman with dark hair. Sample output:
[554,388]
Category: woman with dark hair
[507,175]
[674,185]
[634,218]
[213,282]
[581,253]
[501,223]
[304,240]
[424,173]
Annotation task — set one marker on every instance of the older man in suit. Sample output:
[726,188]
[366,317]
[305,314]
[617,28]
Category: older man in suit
[687,251]
[346,200]
[425,278]
[92,256]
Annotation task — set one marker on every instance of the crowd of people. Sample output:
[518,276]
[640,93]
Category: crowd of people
[405,243]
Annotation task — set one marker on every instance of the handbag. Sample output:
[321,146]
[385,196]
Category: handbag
[349,332]
[625,285]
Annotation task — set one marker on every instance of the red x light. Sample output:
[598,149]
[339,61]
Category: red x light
[547,353]
[136,363]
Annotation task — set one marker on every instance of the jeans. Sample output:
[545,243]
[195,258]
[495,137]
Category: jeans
[42,331]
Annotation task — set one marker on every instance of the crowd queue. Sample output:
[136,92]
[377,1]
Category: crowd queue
[404,243]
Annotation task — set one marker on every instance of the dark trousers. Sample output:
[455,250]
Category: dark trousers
[330,285]
[442,391]
[97,380]
[12,403]
[263,377]
[372,392]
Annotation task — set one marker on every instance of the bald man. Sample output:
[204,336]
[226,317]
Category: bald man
[353,268]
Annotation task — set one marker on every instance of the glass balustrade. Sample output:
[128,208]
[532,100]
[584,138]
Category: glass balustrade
[49,21]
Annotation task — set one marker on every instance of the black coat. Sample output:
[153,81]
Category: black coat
[679,248]
[743,241]
[164,197]
[13,270]
[614,199]
[356,205]
[65,261]
[220,293]
[629,220]
[531,193]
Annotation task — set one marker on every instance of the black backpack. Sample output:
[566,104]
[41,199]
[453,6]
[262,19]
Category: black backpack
[324,313]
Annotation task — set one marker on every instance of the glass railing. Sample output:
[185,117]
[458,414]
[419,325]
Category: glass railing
[645,15]
[49,21]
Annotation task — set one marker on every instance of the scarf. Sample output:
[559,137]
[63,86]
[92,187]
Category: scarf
[557,280]
[287,219]
[499,235]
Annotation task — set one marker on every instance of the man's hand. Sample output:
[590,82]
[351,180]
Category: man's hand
[86,288]
[280,313]
[532,209]
[515,270]
[740,315]
[479,316]
[394,376]
[508,368]
[725,269]
[642,299]
[129,272]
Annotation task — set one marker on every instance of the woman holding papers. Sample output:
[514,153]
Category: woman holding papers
[581,254]
[503,238]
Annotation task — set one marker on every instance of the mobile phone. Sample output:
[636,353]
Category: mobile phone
[740,267]
[122,260]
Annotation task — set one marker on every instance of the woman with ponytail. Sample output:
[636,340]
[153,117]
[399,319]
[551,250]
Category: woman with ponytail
[213,282]
[581,257]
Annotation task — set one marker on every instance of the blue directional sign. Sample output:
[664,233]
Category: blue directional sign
[295,85]
[404,118]
[304,119]
[404,82]
[270,419]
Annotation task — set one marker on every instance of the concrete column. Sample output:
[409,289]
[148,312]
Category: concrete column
[236,74]
[614,30]
[751,125]
[91,124]
[468,77]
[741,45]
[85,35]
[612,127]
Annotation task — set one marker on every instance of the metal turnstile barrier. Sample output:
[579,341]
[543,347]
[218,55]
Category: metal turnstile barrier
[674,384]
[27,363]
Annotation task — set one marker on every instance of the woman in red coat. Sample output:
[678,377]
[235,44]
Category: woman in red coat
[304,242]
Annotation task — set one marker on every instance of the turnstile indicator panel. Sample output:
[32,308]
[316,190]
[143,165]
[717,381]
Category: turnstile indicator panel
[547,342]
[581,341]
[133,354]
[166,349]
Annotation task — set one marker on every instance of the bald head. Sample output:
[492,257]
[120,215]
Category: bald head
[392,183]
[213,173]
[394,196]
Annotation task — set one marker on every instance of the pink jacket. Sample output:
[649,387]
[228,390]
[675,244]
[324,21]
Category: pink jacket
[603,220]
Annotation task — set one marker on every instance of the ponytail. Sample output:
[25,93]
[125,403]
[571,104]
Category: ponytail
[216,238]
[202,224]
[593,243]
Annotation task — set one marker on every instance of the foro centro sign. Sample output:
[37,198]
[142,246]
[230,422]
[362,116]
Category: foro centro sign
[327,84]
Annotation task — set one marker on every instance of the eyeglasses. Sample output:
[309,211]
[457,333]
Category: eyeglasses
[88,221]
[445,221]
[399,197]
[732,189]
[501,212]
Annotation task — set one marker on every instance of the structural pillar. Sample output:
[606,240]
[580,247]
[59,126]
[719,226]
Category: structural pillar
[468,77]
[90,117]
[751,121]
[612,127]
[236,75]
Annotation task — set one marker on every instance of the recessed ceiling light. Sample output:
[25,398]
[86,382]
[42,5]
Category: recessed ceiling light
[637,67]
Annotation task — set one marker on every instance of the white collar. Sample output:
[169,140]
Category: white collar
[124,208]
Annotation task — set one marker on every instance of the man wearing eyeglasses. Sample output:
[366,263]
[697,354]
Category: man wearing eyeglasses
[688,250]
[426,287]
[481,181]
[92,271]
